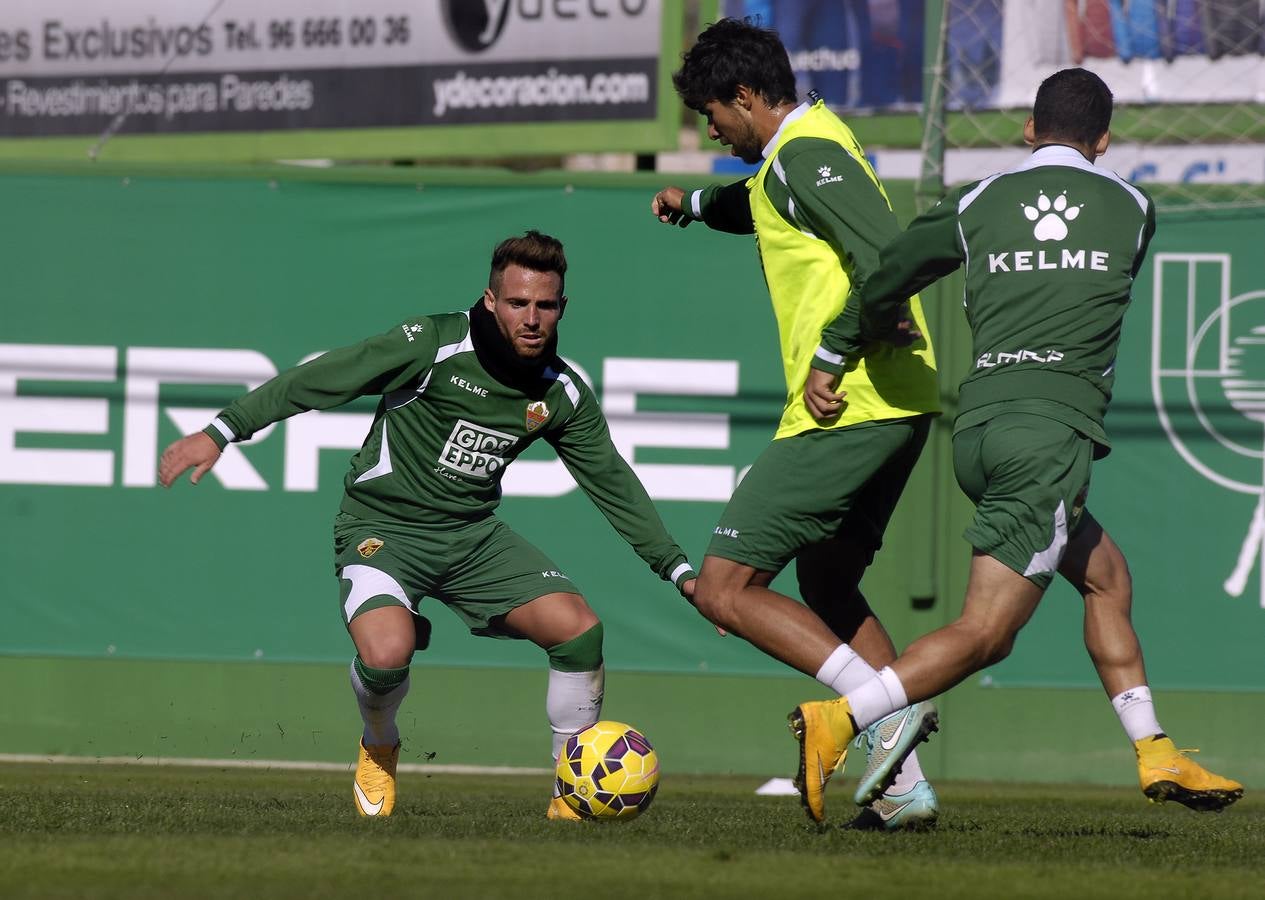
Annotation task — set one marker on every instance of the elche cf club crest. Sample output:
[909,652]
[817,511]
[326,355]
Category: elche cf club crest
[1208,383]
[536,414]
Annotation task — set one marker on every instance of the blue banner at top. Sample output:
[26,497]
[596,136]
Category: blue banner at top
[858,54]
[867,55]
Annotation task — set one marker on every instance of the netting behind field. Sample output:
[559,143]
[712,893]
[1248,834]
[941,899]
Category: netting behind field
[1188,77]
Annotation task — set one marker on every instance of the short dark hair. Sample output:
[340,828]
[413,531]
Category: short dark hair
[1072,104]
[535,251]
[733,52]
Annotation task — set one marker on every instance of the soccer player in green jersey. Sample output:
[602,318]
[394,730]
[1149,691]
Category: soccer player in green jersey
[820,216]
[463,394]
[1051,249]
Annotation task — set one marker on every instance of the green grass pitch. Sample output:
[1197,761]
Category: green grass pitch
[149,832]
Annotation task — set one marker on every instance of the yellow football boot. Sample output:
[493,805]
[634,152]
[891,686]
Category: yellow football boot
[374,787]
[559,810]
[1167,773]
[823,729]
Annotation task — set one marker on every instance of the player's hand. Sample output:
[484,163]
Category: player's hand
[820,395]
[668,207]
[196,451]
[905,332]
[687,590]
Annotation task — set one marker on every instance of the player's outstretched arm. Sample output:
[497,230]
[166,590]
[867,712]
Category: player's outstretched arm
[195,451]
[719,207]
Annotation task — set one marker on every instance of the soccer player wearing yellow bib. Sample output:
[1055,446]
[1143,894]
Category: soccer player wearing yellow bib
[820,217]
[1051,249]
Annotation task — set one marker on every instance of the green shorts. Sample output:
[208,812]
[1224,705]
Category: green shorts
[480,570]
[1029,478]
[816,486]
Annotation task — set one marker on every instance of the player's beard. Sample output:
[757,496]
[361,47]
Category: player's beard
[526,351]
[747,147]
[500,355]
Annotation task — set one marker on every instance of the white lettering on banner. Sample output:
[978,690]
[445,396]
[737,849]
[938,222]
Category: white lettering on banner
[148,368]
[474,450]
[69,66]
[233,470]
[58,415]
[142,38]
[311,432]
[624,379]
[550,89]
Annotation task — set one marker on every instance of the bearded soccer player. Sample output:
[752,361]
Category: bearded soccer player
[1051,250]
[821,217]
[463,394]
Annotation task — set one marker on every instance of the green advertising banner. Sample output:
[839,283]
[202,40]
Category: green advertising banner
[136,307]
[136,304]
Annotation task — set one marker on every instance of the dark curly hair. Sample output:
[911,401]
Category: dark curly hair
[733,52]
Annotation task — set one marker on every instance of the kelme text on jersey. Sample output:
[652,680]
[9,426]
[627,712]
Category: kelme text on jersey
[1044,260]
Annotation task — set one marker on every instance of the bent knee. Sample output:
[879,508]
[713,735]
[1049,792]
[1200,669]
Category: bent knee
[389,651]
[990,643]
[581,653]
[997,650]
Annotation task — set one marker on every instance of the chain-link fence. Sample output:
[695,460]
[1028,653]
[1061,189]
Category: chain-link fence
[1188,77]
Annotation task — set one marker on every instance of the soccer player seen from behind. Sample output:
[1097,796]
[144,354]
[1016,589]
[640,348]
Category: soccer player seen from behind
[821,216]
[1051,249]
[463,394]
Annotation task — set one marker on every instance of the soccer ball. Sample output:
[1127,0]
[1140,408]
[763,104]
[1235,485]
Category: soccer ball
[609,771]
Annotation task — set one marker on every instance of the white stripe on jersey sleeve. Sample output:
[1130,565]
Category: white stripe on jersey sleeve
[835,359]
[447,351]
[966,262]
[679,571]
[790,208]
[223,428]
[968,199]
[405,396]
[573,393]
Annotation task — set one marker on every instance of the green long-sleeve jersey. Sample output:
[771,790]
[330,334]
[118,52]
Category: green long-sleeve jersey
[445,429]
[1051,249]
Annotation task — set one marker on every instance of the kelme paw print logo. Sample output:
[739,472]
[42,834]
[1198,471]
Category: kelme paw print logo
[1053,214]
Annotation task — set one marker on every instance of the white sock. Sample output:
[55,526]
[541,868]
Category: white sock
[909,776]
[573,702]
[1137,713]
[843,670]
[378,710]
[881,696]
